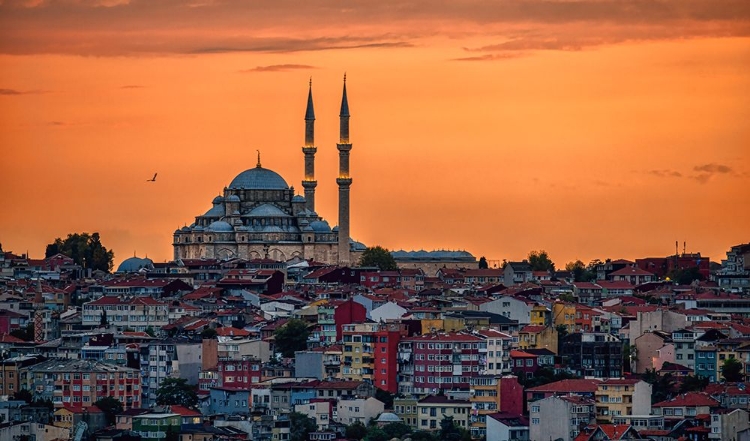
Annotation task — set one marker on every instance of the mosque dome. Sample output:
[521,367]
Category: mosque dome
[388,417]
[134,264]
[233,198]
[320,226]
[298,198]
[220,226]
[218,200]
[267,210]
[259,178]
[215,211]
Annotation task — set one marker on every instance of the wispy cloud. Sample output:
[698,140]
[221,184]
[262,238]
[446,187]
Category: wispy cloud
[278,68]
[665,173]
[713,168]
[493,57]
[21,92]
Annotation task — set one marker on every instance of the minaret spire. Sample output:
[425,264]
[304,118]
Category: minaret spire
[344,181]
[309,183]
[258,164]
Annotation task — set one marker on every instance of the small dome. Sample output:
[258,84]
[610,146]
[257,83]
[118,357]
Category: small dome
[134,264]
[259,178]
[388,417]
[335,229]
[220,226]
[218,200]
[216,211]
[233,198]
[320,226]
[298,198]
[267,210]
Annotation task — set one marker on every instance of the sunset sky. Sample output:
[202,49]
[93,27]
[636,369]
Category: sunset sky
[591,128]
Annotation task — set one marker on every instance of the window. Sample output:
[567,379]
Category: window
[535,421]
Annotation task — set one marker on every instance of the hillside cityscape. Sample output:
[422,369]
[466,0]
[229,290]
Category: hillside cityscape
[428,345]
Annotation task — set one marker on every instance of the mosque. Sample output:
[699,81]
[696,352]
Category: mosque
[259,215]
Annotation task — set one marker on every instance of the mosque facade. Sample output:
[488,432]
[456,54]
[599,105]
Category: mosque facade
[259,216]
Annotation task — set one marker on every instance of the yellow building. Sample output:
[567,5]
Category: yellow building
[538,337]
[540,315]
[617,398]
[358,351]
[484,397]
[433,408]
[564,314]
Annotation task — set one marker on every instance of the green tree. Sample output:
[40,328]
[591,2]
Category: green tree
[540,261]
[291,337]
[111,407]
[23,395]
[208,333]
[384,397]
[356,430]
[483,263]
[300,426]
[26,333]
[686,276]
[103,319]
[423,435]
[396,430]
[375,433]
[150,331]
[379,257]
[580,272]
[85,249]
[176,391]
[693,383]
[731,370]
[662,386]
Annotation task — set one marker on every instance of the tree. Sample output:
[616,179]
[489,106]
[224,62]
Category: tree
[176,391]
[111,407]
[376,434]
[540,261]
[483,263]
[103,319]
[731,370]
[208,333]
[379,257]
[23,395]
[396,430]
[693,383]
[300,426]
[686,276]
[25,334]
[85,249]
[662,387]
[356,430]
[449,431]
[291,337]
[150,331]
[580,272]
[384,397]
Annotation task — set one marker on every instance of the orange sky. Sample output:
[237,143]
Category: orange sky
[591,129]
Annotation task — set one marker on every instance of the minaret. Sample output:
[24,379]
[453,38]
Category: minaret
[344,181]
[309,183]
[38,312]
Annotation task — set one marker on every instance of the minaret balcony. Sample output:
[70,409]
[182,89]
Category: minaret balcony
[344,181]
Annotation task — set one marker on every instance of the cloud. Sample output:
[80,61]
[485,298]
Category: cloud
[21,92]
[142,27]
[493,57]
[713,168]
[665,173]
[278,68]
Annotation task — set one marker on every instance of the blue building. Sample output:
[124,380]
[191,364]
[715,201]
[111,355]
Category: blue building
[705,362]
[225,401]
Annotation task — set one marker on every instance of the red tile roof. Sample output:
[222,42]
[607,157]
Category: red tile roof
[690,399]
[568,386]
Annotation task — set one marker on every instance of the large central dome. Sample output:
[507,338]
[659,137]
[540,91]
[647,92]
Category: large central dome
[258,178]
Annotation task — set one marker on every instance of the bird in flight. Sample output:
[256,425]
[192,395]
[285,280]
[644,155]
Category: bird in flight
[152,179]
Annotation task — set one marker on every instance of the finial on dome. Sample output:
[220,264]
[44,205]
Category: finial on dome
[258,165]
